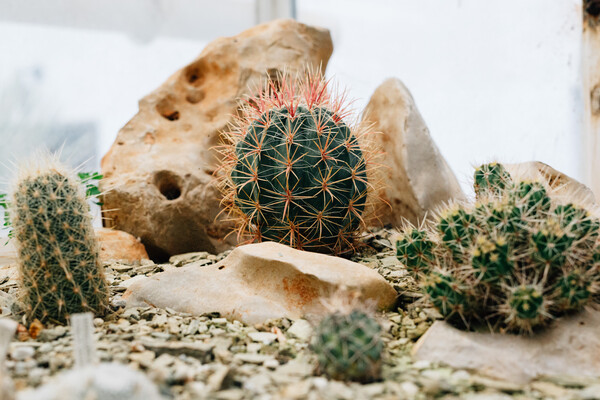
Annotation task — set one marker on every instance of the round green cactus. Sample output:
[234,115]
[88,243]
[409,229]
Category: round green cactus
[58,258]
[296,172]
[415,251]
[526,307]
[349,347]
[491,178]
[514,260]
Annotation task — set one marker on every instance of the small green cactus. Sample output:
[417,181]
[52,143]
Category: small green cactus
[415,250]
[295,171]
[57,248]
[515,259]
[349,347]
[491,178]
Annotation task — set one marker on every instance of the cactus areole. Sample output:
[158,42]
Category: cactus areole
[296,171]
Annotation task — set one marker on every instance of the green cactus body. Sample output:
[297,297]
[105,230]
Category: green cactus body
[573,291]
[514,260]
[297,173]
[349,347]
[58,252]
[577,221]
[491,179]
[535,197]
[446,294]
[527,305]
[491,258]
[415,250]
[551,244]
[457,228]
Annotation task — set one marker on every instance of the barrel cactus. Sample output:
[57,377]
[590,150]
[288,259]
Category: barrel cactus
[515,259]
[57,249]
[295,171]
[349,346]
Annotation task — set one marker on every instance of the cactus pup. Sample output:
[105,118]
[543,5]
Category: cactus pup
[295,170]
[58,257]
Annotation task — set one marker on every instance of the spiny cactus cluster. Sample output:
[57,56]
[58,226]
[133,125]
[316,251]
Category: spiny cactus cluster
[349,346]
[58,251]
[294,171]
[515,259]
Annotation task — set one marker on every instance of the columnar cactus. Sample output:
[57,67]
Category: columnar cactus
[349,346]
[515,259]
[294,170]
[58,251]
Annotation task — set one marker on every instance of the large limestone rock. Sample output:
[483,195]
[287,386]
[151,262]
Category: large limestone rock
[417,177]
[570,347]
[260,281]
[159,169]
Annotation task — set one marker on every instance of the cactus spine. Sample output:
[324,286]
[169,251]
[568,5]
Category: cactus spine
[59,265]
[294,171]
[515,259]
[349,346]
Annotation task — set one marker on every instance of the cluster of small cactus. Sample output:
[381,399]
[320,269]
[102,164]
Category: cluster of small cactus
[349,346]
[515,259]
[294,171]
[58,258]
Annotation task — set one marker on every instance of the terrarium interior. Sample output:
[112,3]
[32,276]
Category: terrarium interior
[290,199]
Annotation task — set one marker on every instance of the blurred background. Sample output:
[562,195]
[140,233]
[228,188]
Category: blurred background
[493,79]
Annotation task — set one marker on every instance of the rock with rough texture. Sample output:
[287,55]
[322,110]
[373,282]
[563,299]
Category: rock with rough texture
[417,177]
[160,168]
[562,184]
[570,347]
[119,245]
[257,282]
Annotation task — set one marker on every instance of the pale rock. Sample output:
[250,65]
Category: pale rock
[262,281]
[263,337]
[102,381]
[301,329]
[568,347]
[562,185]
[417,178]
[160,168]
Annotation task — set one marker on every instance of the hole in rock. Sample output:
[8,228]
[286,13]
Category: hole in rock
[166,108]
[168,184]
[221,267]
[592,7]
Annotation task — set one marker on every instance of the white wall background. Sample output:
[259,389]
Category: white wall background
[494,79]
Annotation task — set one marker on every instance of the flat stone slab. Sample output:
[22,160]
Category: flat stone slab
[257,282]
[569,347]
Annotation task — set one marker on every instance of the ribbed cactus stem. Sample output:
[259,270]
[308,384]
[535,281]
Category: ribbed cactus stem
[296,172]
[59,262]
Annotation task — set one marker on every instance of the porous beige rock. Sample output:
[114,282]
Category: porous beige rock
[160,168]
[119,245]
[260,281]
[417,177]
[569,347]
